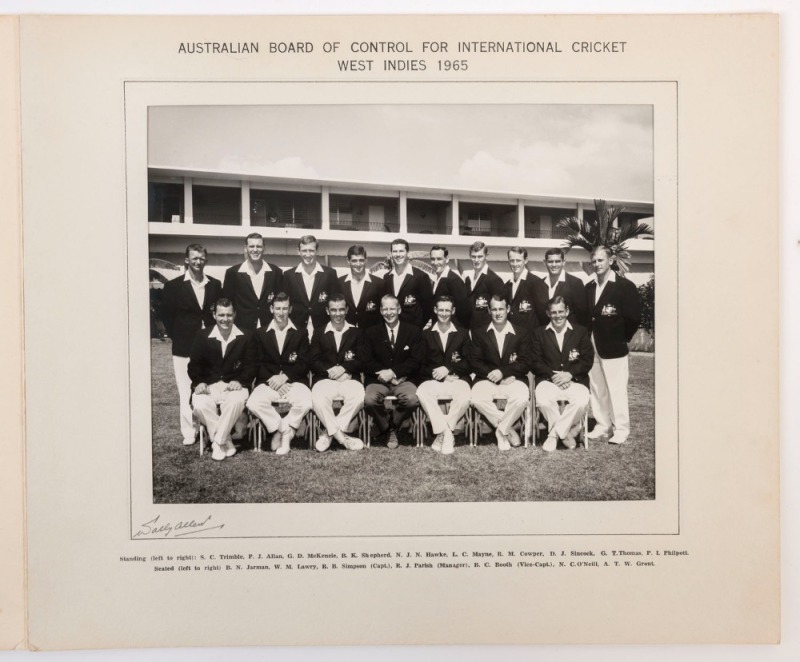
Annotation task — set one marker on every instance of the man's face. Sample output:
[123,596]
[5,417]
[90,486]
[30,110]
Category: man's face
[601,263]
[554,263]
[478,259]
[308,253]
[390,310]
[357,264]
[438,261]
[558,313]
[337,311]
[444,312]
[196,262]
[517,263]
[499,312]
[255,249]
[280,312]
[399,255]
[223,316]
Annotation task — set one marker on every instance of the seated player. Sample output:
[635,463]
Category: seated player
[562,359]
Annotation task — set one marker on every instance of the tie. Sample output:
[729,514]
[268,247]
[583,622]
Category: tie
[391,337]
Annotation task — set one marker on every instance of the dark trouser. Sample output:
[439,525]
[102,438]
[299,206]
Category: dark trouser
[406,394]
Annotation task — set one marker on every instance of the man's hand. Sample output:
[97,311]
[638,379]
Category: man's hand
[344,377]
[201,389]
[335,372]
[507,380]
[440,373]
[386,375]
[562,378]
[233,385]
[398,380]
[451,378]
[495,376]
[277,381]
[283,390]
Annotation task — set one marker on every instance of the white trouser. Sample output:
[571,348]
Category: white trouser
[231,406]
[260,403]
[428,394]
[324,392]
[515,394]
[576,397]
[181,367]
[608,379]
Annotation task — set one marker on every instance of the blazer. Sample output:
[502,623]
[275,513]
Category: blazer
[615,317]
[480,295]
[325,284]
[415,296]
[574,292]
[376,353]
[292,361]
[529,304]
[207,365]
[576,356]
[183,317]
[251,307]
[454,355]
[516,358]
[324,354]
[368,311]
[453,286]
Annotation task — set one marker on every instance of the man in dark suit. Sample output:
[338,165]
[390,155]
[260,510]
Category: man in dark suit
[562,358]
[391,356]
[559,283]
[282,353]
[616,310]
[309,285]
[252,284]
[411,286]
[445,371]
[336,375]
[500,356]
[362,292]
[450,284]
[221,368]
[482,284]
[525,293]
[186,308]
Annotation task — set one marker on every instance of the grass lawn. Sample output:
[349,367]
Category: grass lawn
[408,473]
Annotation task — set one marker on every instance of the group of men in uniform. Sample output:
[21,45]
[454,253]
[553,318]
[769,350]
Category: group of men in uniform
[252,340]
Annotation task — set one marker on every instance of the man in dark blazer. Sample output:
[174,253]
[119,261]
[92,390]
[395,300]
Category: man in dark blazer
[500,355]
[482,284]
[361,291]
[445,372]
[411,286]
[559,283]
[562,358]
[252,284]
[391,356]
[186,308]
[282,353]
[336,374]
[221,367]
[450,284]
[309,285]
[616,310]
[525,293]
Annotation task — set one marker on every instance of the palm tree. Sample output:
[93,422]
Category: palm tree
[604,230]
[416,258]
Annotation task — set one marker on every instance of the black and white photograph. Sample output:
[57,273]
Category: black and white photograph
[402,303]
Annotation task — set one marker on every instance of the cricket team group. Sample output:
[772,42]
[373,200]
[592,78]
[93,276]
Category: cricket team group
[307,338]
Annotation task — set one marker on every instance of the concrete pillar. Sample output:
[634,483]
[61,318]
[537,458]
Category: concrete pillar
[403,209]
[454,217]
[580,211]
[245,204]
[188,205]
[326,208]
[520,219]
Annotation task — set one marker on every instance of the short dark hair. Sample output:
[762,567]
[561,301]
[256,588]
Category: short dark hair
[280,296]
[439,248]
[498,297]
[254,235]
[401,241]
[444,298]
[518,249]
[356,249]
[477,247]
[307,239]
[197,248]
[222,302]
[557,300]
[554,251]
[335,298]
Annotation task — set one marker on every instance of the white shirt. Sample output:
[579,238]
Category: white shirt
[308,279]
[337,335]
[398,278]
[612,277]
[394,329]
[443,336]
[515,283]
[280,336]
[233,335]
[256,278]
[441,276]
[474,278]
[199,291]
[357,286]
[551,289]
[560,336]
[501,335]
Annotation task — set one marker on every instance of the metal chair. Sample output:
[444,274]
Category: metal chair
[315,425]
[539,429]
[417,424]
[423,421]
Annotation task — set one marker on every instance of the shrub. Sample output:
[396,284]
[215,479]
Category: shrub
[647,293]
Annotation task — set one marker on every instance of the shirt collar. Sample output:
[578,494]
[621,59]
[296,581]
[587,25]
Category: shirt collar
[235,333]
[349,277]
[444,274]
[562,277]
[187,276]
[553,329]
[449,329]
[612,277]
[317,269]
[329,327]
[506,329]
[247,268]
[407,270]
[274,327]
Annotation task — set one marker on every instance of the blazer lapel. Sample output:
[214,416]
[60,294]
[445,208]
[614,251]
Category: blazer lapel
[605,294]
[187,286]
[301,285]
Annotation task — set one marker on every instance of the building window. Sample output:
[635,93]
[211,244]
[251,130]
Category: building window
[285,209]
[217,205]
[364,212]
[164,202]
[540,222]
[485,220]
[429,216]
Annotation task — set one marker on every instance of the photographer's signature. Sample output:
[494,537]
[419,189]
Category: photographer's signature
[155,528]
